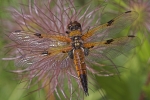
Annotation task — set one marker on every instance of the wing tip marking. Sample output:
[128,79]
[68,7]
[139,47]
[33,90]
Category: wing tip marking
[128,11]
[17,31]
[38,35]
[109,41]
[131,36]
[109,23]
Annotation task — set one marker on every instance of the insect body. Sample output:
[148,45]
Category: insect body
[78,53]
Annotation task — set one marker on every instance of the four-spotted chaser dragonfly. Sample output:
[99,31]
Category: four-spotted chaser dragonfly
[95,44]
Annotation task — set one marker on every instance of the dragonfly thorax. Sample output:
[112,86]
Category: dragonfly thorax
[77,42]
[74,33]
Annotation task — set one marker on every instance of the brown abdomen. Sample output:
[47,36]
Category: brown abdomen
[81,68]
[79,61]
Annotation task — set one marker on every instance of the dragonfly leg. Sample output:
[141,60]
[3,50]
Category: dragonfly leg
[70,54]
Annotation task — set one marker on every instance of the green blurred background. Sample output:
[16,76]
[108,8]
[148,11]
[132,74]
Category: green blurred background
[133,82]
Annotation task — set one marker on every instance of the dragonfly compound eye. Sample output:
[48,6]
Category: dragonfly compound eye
[74,26]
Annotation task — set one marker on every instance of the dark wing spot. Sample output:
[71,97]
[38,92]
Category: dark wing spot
[46,53]
[109,41]
[90,47]
[109,23]
[18,31]
[64,51]
[128,12]
[131,36]
[38,35]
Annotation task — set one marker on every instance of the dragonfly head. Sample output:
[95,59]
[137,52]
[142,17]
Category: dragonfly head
[72,26]
[74,29]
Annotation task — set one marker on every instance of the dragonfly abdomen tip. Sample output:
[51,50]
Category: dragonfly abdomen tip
[83,78]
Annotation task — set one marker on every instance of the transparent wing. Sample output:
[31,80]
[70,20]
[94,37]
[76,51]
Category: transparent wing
[57,71]
[108,50]
[29,41]
[44,59]
[111,28]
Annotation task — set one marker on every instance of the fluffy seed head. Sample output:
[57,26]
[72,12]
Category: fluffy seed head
[56,72]
[142,7]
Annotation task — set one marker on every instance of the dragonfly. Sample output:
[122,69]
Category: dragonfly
[96,44]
